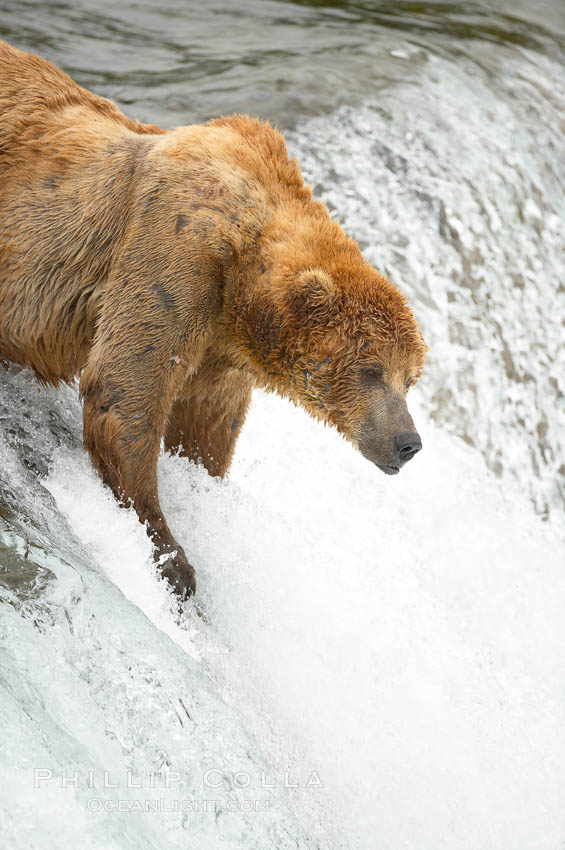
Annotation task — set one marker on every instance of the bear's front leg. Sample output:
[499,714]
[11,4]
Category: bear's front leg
[123,441]
[206,417]
[128,389]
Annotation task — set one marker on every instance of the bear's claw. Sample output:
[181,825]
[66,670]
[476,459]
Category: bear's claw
[180,576]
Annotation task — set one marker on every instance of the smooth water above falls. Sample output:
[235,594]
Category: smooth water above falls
[393,648]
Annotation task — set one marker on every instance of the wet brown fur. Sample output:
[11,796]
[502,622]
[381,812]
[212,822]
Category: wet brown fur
[174,271]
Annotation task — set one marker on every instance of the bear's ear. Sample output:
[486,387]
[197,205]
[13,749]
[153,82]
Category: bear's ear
[311,295]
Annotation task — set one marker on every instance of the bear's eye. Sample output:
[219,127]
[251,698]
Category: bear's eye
[371,375]
[409,383]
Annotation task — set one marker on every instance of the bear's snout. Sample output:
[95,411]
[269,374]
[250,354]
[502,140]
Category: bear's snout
[406,444]
[387,436]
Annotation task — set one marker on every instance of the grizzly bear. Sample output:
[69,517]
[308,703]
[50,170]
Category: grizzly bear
[176,270]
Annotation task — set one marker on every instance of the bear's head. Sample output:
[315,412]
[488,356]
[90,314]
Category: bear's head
[360,351]
[343,343]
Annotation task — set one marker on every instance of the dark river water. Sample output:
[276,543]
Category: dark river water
[435,133]
[181,62]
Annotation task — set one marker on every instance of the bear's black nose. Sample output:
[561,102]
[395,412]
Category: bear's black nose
[406,444]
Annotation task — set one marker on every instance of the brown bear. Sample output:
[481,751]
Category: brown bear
[176,270]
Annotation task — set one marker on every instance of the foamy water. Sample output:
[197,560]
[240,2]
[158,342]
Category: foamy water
[391,647]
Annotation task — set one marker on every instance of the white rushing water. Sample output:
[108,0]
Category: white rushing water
[391,648]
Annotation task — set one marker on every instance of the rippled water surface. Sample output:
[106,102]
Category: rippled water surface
[403,639]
